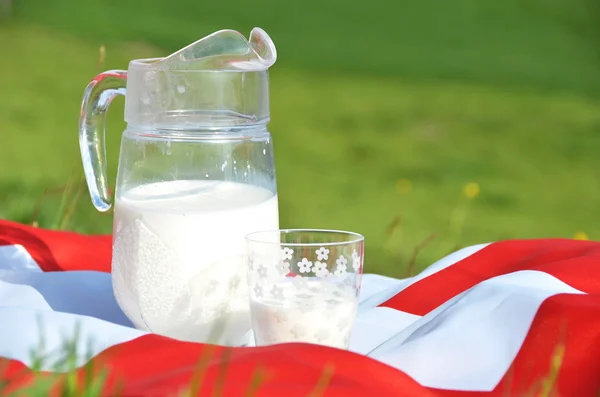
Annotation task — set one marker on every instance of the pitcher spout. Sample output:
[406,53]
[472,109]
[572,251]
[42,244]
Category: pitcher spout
[224,50]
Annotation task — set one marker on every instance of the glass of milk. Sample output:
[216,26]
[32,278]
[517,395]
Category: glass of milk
[304,285]
[196,174]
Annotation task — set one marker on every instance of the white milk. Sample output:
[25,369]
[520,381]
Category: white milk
[320,313]
[179,257]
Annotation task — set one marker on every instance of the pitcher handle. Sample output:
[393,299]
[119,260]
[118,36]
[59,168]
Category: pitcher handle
[96,99]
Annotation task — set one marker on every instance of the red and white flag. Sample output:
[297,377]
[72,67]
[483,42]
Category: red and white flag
[501,319]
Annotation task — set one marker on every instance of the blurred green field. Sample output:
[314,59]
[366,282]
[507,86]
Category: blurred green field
[380,113]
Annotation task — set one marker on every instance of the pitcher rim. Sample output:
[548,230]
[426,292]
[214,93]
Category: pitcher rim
[146,63]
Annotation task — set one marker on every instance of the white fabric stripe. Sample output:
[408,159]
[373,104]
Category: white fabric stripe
[86,293]
[469,342]
[375,326]
[26,330]
[16,257]
[61,300]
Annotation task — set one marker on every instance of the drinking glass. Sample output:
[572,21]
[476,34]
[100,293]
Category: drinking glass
[304,285]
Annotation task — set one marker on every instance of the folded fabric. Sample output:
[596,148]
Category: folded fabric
[493,319]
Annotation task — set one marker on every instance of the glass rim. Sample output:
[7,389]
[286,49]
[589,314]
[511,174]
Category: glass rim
[253,237]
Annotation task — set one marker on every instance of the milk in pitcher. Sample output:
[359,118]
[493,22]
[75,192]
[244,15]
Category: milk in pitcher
[179,256]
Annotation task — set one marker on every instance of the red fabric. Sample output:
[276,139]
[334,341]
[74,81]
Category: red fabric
[568,319]
[564,321]
[554,256]
[59,250]
[156,366]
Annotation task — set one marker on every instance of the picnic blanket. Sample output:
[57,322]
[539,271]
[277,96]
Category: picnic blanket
[509,318]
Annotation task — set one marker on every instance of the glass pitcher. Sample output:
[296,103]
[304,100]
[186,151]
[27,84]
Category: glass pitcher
[196,175]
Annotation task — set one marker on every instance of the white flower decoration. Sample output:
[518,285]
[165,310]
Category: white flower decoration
[322,254]
[320,269]
[283,268]
[277,292]
[355,261]
[287,253]
[300,282]
[319,266]
[304,266]
[341,261]
[262,271]
[341,270]
[258,291]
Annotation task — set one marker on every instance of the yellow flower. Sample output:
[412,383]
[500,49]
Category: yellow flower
[580,236]
[102,55]
[471,190]
[404,186]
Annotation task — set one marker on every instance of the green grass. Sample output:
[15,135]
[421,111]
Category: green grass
[550,44]
[502,93]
